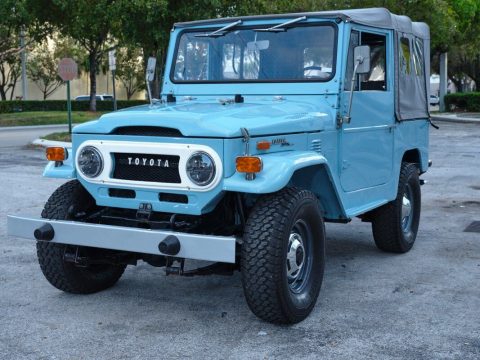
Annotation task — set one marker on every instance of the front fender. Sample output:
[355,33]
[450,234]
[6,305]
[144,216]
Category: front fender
[278,169]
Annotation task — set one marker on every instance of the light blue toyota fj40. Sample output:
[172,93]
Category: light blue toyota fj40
[267,127]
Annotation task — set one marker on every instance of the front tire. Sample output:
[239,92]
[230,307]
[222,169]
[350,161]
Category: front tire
[283,256]
[395,225]
[69,199]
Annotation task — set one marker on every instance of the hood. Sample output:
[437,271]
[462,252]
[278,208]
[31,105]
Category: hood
[212,119]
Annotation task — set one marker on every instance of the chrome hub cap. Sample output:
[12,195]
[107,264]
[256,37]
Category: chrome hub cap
[295,256]
[407,210]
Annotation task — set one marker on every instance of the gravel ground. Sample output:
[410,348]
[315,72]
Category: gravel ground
[373,305]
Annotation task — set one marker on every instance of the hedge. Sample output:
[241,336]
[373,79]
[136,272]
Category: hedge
[463,101]
[61,105]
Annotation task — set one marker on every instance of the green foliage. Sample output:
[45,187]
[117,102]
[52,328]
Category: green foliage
[42,67]
[89,23]
[61,105]
[130,70]
[463,101]
[58,136]
[30,118]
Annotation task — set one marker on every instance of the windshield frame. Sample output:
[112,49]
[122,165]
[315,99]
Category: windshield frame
[315,23]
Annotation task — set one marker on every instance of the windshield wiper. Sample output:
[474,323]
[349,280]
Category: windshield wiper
[220,32]
[281,27]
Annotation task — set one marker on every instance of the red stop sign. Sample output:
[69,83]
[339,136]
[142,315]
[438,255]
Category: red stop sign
[67,69]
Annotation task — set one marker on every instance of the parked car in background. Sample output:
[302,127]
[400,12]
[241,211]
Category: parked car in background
[98,97]
[434,100]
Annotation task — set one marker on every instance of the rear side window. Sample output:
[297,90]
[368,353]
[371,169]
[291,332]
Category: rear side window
[418,57]
[405,56]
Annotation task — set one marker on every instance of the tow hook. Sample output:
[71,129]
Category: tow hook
[174,270]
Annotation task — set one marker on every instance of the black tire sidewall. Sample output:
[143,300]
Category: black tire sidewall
[68,198]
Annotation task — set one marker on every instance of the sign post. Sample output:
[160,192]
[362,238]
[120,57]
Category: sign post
[113,66]
[68,70]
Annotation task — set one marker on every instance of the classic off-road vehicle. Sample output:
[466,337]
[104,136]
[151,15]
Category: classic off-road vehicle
[267,127]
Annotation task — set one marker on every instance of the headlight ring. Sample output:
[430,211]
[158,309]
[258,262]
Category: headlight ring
[201,168]
[90,161]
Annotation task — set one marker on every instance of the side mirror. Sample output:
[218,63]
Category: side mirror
[361,54]
[151,68]
[149,76]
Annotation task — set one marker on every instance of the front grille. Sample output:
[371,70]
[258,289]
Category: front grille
[146,167]
[147,131]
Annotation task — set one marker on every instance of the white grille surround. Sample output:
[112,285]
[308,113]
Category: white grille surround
[107,147]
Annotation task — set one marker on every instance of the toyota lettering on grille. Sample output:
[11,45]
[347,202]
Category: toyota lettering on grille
[160,168]
[148,162]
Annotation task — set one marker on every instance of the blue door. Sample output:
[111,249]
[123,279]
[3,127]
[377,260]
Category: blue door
[366,143]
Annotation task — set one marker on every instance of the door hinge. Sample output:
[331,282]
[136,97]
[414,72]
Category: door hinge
[339,120]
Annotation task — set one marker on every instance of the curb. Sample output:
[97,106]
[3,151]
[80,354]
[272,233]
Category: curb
[455,119]
[30,127]
[47,143]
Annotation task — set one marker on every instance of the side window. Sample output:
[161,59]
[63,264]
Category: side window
[376,78]
[405,55]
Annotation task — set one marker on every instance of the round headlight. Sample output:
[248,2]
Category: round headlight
[201,168]
[90,161]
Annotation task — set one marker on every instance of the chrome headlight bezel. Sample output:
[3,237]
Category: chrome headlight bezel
[213,171]
[101,161]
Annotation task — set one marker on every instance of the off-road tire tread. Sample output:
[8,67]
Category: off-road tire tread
[262,253]
[386,232]
[64,276]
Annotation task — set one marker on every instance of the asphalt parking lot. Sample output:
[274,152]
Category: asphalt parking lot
[373,305]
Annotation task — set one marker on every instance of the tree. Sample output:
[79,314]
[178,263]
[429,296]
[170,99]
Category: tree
[42,69]
[9,75]
[89,23]
[147,23]
[14,18]
[130,70]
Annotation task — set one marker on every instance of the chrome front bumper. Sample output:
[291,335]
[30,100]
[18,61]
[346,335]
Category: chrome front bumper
[192,246]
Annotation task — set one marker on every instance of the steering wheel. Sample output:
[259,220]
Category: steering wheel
[313,67]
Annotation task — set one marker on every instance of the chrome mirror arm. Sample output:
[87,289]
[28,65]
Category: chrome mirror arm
[347,117]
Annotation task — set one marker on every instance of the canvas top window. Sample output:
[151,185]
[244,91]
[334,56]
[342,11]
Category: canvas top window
[301,53]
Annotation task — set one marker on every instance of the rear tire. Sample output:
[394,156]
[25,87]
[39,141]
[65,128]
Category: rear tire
[395,225]
[283,256]
[69,199]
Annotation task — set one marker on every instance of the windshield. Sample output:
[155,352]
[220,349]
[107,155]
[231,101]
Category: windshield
[301,53]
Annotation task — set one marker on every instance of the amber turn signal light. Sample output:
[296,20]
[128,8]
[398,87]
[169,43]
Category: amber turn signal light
[249,164]
[263,145]
[56,153]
